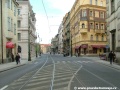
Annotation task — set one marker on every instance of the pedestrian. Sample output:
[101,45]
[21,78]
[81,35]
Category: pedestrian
[17,58]
[110,56]
[114,57]
[12,56]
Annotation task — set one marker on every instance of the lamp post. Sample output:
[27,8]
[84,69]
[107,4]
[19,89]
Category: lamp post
[1,35]
[29,54]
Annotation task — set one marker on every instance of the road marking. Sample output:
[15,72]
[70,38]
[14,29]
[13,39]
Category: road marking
[4,87]
[36,63]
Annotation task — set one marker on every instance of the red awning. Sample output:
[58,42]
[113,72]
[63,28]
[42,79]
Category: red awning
[77,47]
[98,46]
[84,46]
[9,45]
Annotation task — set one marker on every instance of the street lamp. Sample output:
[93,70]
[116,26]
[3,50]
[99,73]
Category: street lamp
[1,34]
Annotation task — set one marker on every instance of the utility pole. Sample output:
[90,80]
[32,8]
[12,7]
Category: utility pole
[1,35]
[29,55]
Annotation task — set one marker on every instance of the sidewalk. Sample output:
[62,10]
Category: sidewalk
[107,63]
[8,66]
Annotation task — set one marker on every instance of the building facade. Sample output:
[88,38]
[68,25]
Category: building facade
[9,30]
[60,38]
[54,44]
[26,29]
[88,27]
[113,27]
[66,34]
[45,48]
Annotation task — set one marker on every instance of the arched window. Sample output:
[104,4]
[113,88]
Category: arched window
[91,13]
[102,38]
[91,37]
[102,26]
[83,25]
[96,1]
[91,25]
[97,26]
[90,1]
[101,3]
[96,37]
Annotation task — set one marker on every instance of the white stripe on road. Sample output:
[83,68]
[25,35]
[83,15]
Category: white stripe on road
[4,87]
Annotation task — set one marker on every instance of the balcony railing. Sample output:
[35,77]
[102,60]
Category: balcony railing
[98,31]
[83,30]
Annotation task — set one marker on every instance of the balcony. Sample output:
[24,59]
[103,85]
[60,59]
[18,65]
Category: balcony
[98,31]
[83,30]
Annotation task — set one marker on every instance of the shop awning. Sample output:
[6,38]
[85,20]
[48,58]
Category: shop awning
[76,47]
[98,46]
[9,45]
[84,46]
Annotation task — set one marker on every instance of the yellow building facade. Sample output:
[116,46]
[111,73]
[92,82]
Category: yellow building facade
[88,27]
[9,29]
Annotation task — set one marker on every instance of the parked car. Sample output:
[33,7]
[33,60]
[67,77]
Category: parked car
[103,56]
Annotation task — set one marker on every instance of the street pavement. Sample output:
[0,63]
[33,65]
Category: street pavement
[7,66]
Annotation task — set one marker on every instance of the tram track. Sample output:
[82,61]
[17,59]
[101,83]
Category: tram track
[55,76]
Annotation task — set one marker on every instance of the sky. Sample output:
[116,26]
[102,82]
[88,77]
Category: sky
[49,15]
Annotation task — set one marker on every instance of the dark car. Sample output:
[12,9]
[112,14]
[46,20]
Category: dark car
[103,56]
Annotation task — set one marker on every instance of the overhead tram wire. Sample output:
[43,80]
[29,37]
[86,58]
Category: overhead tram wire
[46,16]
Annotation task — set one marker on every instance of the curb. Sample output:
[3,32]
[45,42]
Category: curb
[11,67]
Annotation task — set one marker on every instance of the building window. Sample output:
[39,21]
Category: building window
[14,10]
[102,38]
[19,10]
[83,25]
[112,6]
[97,38]
[8,4]
[19,36]
[14,29]
[9,25]
[96,13]
[102,15]
[96,2]
[91,13]
[101,4]
[19,23]
[11,5]
[97,27]
[90,1]
[91,38]
[91,25]
[84,13]
[102,26]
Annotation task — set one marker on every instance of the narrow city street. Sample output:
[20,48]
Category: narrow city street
[55,72]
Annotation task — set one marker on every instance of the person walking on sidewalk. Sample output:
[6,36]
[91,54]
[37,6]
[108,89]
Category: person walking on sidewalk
[110,56]
[17,58]
[114,57]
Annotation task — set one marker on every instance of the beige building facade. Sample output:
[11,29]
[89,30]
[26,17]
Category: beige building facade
[45,48]
[9,30]
[88,27]
[26,29]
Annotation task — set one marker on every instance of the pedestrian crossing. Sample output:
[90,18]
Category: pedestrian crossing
[73,62]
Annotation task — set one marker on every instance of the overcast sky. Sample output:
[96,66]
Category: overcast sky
[55,9]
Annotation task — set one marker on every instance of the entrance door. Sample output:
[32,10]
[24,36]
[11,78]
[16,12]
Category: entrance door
[84,51]
[113,41]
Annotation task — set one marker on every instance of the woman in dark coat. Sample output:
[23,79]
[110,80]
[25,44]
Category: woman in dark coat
[111,57]
[17,58]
